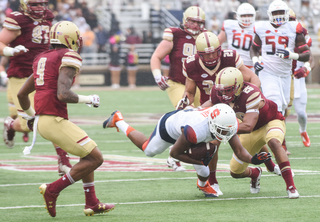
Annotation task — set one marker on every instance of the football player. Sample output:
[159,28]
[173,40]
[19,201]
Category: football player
[239,33]
[261,123]
[27,33]
[186,128]
[200,71]
[178,43]
[277,39]
[300,71]
[54,73]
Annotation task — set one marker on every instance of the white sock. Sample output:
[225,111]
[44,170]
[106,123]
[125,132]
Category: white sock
[202,183]
[123,126]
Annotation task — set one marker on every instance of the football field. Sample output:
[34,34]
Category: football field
[144,188]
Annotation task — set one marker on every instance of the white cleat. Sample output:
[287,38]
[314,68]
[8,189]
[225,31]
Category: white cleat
[277,171]
[175,165]
[292,193]
[255,184]
[8,134]
[216,187]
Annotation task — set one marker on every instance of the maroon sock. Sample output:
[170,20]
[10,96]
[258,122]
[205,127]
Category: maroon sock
[212,177]
[270,165]
[90,194]
[286,173]
[253,173]
[60,151]
[61,183]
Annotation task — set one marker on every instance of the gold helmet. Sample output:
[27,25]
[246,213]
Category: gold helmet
[229,83]
[35,8]
[208,48]
[192,16]
[66,33]
[292,15]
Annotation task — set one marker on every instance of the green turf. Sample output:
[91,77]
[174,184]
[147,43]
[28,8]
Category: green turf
[156,196]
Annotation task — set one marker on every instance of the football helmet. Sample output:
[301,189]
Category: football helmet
[292,15]
[208,48]
[35,8]
[223,123]
[66,33]
[191,18]
[246,9]
[278,12]
[229,83]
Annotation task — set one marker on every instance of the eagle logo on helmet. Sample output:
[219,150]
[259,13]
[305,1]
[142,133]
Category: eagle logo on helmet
[228,85]
[66,33]
[194,20]
[35,8]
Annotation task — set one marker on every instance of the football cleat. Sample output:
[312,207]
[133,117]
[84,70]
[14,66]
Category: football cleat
[208,190]
[305,139]
[292,193]
[277,171]
[25,137]
[64,165]
[111,121]
[284,146]
[50,199]
[175,165]
[8,133]
[255,184]
[216,187]
[99,208]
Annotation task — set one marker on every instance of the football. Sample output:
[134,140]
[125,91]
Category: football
[199,151]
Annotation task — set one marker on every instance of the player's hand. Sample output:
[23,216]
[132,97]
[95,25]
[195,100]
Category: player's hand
[30,121]
[259,158]
[162,82]
[286,54]
[18,50]
[302,72]
[258,67]
[207,159]
[95,101]
[183,103]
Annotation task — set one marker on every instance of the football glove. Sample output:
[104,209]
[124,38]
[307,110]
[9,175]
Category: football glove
[287,54]
[206,160]
[95,101]
[302,72]
[259,158]
[30,121]
[162,82]
[183,103]
[18,50]
[258,67]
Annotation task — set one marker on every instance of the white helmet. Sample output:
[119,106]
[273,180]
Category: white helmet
[246,9]
[278,19]
[223,123]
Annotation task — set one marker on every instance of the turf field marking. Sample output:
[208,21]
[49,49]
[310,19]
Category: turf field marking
[165,201]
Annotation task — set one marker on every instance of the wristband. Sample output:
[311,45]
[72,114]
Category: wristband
[255,59]
[7,51]
[84,99]
[307,65]
[30,111]
[156,73]
[3,74]
[294,56]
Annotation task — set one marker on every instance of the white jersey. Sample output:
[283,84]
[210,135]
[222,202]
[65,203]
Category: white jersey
[239,39]
[273,39]
[195,123]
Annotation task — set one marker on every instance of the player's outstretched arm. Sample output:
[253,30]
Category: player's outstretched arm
[23,96]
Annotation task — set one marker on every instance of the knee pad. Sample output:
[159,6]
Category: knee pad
[202,170]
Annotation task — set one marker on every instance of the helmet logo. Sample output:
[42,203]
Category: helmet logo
[215,113]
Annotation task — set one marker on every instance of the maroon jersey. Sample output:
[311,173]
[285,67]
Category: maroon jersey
[46,67]
[195,70]
[34,36]
[248,98]
[183,46]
